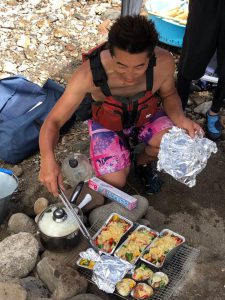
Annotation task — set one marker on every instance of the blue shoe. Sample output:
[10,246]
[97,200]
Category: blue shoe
[213,126]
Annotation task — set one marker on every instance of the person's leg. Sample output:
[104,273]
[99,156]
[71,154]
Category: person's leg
[183,89]
[130,7]
[151,134]
[213,125]
[110,157]
[199,43]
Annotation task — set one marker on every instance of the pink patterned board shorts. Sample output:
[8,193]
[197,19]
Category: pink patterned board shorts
[108,151]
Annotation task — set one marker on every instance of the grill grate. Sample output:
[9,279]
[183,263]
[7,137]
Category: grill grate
[176,269]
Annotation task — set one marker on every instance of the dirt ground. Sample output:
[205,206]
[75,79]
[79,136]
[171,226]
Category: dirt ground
[196,213]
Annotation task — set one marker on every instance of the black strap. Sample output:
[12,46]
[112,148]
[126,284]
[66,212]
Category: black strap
[98,72]
[100,77]
[149,73]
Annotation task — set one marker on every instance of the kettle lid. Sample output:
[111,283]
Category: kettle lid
[55,221]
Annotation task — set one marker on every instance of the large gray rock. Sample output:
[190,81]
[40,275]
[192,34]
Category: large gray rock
[102,213]
[64,282]
[20,222]
[35,288]
[18,255]
[203,108]
[12,291]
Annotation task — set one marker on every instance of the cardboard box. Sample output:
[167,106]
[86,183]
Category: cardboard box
[112,193]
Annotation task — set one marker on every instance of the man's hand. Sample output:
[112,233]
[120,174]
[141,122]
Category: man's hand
[190,126]
[50,175]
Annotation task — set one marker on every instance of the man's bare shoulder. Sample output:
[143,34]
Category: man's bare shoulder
[82,77]
[163,56]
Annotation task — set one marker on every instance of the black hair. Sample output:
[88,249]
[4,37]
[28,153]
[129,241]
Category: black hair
[134,34]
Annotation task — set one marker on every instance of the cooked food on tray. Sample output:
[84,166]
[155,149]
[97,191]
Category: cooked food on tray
[111,233]
[142,291]
[158,280]
[161,246]
[125,286]
[135,244]
[142,273]
[86,263]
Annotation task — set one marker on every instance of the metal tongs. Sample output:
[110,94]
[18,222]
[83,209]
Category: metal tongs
[76,218]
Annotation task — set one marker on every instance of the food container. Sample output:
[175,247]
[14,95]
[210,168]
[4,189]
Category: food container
[142,273]
[110,234]
[132,247]
[158,280]
[142,291]
[86,263]
[162,249]
[125,286]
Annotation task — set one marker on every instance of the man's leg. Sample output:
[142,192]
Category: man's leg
[151,134]
[109,155]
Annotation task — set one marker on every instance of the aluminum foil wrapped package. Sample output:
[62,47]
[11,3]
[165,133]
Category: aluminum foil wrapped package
[184,157]
[90,254]
[108,271]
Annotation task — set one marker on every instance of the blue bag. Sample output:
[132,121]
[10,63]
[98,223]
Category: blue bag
[23,107]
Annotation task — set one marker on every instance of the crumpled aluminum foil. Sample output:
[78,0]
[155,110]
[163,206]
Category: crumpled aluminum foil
[108,271]
[183,157]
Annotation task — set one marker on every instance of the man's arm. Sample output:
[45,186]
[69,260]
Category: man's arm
[172,103]
[50,174]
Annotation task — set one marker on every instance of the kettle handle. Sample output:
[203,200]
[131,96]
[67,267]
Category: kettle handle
[76,192]
[85,201]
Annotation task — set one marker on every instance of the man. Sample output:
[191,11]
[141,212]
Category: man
[204,35]
[122,81]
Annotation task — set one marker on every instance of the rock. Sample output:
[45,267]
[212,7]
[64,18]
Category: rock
[97,199]
[144,222]
[111,14]
[203,108]
[103,212]
[17,170]
[35,288]
[20,222]
[39,205]
[64,282]
[18,255]
[12,291]
[86,297]
[197,99]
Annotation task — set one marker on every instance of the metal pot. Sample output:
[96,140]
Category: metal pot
[8,185]
[57,228]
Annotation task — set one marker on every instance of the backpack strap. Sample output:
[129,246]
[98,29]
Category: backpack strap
[149,73]
[98,72]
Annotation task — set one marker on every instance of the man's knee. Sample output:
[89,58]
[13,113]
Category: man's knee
[117,179]
[157,138]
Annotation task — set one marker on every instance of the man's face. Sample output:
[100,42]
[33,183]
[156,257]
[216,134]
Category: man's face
[129,66]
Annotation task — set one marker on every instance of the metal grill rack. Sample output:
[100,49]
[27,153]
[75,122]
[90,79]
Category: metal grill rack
[176,269]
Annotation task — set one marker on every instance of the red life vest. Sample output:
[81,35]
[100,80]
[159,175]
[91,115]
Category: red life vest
[115,114]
